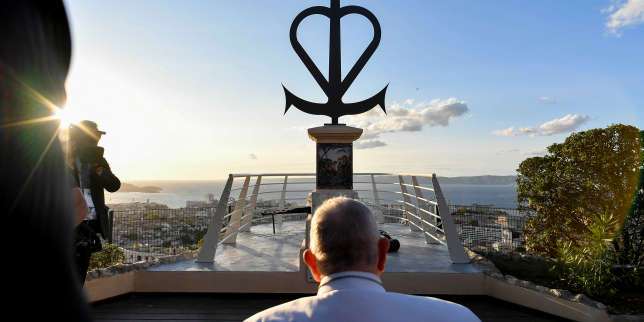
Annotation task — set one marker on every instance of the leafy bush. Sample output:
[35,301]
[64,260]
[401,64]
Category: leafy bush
[109,256]
[630,244]
[589,267]
[151,216]
[592,173]
[582,191]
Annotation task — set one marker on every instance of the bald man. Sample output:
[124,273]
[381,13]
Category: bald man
[347,257]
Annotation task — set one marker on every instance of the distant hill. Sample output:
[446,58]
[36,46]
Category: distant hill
[128,187]
[482,180]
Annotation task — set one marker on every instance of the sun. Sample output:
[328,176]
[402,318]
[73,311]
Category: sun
[66,116]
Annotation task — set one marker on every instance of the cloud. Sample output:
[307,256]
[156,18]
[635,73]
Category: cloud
[368,144]
[509,151]
[506,132]
[407,118]
[547,100]
[623,14]
[252,156]
[511,131]
[539,153]
[564,124]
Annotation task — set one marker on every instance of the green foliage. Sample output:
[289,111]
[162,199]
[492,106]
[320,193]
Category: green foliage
[187,239]
[591,174]
[630,244]
[151,216]
[588,267]
[582,191]
[200,234]
[109,256]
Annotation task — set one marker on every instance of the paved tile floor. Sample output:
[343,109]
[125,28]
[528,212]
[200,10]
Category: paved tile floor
[261,250]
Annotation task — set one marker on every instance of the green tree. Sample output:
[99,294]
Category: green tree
[110,255]
[631,241]
[591,175]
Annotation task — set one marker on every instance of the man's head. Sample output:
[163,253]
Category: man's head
[85,133]
[344,237]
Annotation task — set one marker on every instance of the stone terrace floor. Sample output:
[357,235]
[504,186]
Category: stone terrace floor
[261,250]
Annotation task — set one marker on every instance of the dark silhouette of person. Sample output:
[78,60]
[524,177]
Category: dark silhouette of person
[39,278]
[93,175]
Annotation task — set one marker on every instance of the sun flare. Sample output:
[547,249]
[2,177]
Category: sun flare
[66,117]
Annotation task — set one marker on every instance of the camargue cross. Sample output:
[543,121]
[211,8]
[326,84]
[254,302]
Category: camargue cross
[335,87]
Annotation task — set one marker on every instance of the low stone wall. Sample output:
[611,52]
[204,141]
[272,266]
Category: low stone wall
[595,309]
[138,266]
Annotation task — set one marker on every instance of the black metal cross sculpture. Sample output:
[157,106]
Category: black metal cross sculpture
[335,87]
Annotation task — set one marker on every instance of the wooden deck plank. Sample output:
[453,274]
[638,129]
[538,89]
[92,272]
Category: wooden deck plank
[236,307]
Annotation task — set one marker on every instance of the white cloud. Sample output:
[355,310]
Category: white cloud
[252,156]
[407,118]
[511,131]
[564,124]
[506,132]
[623,14]
[368,144]
[539,153]
[547,100]
[509,151]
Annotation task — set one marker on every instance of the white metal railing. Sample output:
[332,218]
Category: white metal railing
[416,201]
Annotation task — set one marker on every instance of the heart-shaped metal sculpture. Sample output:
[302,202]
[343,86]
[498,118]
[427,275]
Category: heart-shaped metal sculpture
[335,87]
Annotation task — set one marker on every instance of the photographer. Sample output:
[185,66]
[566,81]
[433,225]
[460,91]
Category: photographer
[92,174]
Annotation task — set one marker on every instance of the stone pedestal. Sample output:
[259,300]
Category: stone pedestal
[334,169]
[334,156]
[334,165]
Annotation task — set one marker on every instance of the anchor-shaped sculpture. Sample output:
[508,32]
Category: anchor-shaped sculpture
[335,87]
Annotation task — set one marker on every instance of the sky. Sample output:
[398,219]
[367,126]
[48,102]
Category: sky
[192,90]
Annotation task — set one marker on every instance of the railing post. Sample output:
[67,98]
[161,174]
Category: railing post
[406,206]
[235,218]
[279,219]
[380,219]
[454,245]
[247,222]
[418,192]
[211,239]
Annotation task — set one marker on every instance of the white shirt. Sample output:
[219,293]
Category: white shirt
[359,296]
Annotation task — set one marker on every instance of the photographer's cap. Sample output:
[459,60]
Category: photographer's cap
[90,126]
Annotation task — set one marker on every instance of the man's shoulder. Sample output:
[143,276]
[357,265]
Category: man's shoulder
[394,305]
[434,305]
[288,311]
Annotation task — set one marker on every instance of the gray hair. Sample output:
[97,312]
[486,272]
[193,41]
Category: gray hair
[344,234]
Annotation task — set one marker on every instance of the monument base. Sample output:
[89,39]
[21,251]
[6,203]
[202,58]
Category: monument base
[334,156]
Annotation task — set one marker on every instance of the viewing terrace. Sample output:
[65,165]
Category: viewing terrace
[238,247]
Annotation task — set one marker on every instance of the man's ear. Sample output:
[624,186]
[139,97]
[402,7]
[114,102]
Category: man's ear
[312,263]
[383,248]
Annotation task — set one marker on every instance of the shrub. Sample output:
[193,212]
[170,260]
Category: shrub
[593,172]
[589,267]
[109,256]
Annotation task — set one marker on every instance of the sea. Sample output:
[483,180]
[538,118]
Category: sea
[174,194]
